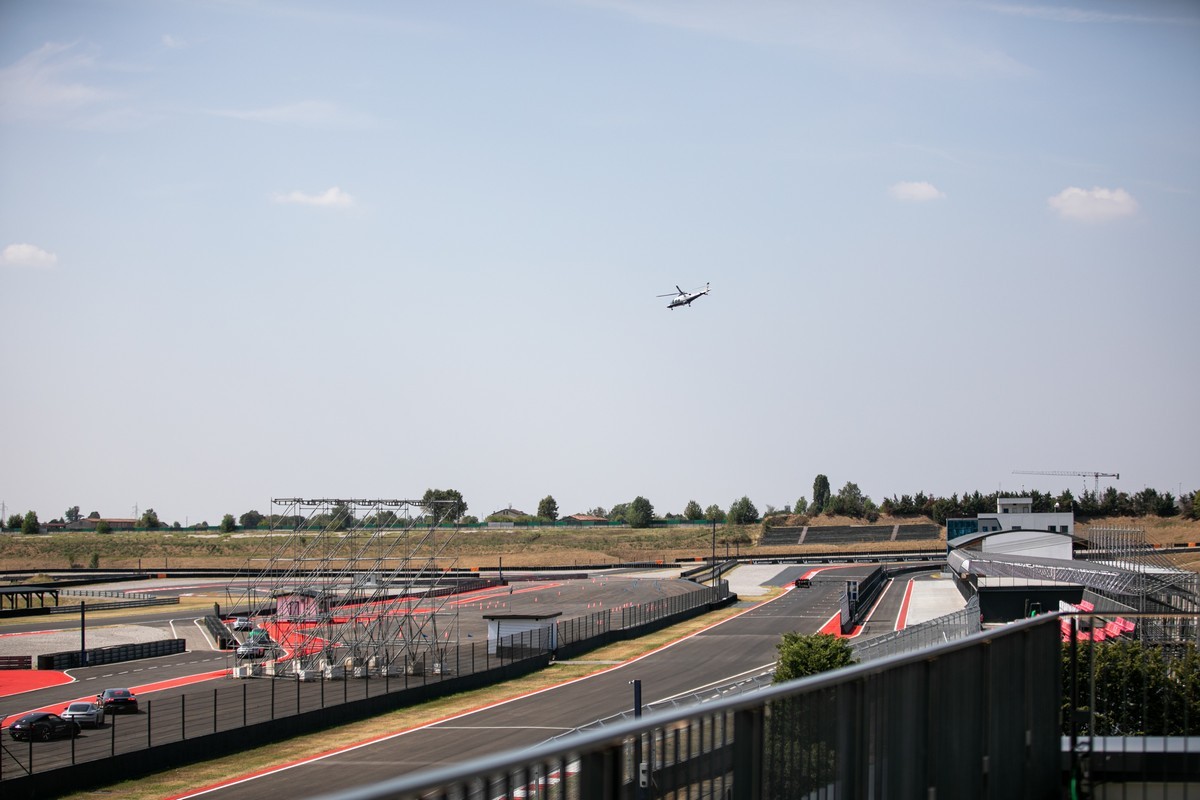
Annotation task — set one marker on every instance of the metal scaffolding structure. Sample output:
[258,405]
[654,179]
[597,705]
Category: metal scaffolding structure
[1160,585]
[354,586]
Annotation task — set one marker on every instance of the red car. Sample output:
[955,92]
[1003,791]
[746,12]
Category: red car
[118,701]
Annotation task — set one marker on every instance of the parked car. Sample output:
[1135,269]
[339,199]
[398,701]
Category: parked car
[43,726]
[250,651]
[242,624]
[118,701]
[85,713]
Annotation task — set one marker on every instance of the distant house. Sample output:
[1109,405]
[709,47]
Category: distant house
[585,519]
[508,513]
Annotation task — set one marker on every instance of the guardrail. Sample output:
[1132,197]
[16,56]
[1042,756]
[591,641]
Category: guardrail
[971,719]
[96,656]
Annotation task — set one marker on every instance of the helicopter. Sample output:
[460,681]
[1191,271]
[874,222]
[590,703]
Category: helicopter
[685,298]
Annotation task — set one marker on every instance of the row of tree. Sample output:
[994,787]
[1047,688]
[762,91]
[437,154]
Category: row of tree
[448,505]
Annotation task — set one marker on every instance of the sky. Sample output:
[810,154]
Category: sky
[259,249]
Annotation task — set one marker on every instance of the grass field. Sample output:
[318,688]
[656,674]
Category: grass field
[471,547]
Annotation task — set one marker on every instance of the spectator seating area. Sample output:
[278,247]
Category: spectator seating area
[834,535]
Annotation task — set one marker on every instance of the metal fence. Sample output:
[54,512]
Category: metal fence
[948,628]
[1031,710]
[194,716]
[975,718]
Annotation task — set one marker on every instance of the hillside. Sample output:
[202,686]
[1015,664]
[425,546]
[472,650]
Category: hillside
[480,547]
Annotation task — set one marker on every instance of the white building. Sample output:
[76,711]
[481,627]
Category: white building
[1015,529]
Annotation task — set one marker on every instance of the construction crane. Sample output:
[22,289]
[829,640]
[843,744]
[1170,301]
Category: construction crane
[1096,476]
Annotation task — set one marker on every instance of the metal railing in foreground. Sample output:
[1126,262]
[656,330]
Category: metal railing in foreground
[1131,724]
[974,718]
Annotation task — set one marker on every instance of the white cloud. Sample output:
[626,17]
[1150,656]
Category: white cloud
[1093,205]
[27,255]
[44,84]
[173,42]
[1084,15]
[330,197]
[915,191]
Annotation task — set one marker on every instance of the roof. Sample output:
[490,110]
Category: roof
[551,615]
[587,518]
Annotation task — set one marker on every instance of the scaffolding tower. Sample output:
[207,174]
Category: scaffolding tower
[1158,584]
[354,586]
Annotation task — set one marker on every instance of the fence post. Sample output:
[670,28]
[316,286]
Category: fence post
[149,720]
[243,705]
[113,751]
[183,717]
[747,749]
[214,710]
[272,698]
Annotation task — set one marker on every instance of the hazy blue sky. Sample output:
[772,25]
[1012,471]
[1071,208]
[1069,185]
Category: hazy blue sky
[269,249]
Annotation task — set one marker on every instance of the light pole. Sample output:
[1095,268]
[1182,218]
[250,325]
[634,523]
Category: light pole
[82,635]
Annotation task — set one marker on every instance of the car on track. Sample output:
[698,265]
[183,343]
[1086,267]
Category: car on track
[242,624]
[118,701]
[249,650]
[43,726]
[84,713]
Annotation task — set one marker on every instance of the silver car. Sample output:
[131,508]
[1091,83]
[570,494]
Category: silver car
[83,713]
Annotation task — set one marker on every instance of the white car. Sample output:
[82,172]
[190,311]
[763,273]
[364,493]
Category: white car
[251,651]
[89,715]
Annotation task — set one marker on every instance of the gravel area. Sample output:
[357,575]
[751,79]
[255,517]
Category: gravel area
[35,644]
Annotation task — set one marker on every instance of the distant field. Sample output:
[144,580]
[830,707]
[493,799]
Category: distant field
[478,548]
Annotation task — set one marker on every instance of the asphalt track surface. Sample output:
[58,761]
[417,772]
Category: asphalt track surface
[718,654]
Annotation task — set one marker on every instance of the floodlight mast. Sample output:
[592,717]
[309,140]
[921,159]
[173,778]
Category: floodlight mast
[1096,476]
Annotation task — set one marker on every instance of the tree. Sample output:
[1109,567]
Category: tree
[692,511]
[714,513]
[640,513]
[95,561]
[94,515]
[801,506]
[548,508]
[228,524]
[72,514]
[444,505]
[820,494]
[742,512]
[619,513]
[598,511]
[102,526]
[14,522]
[149,520]
[250,519]
[30,523]
[801,655]
[849,501]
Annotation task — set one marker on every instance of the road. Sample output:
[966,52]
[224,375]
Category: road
[719,653]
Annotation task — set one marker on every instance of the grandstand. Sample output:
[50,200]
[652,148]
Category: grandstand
[836,535]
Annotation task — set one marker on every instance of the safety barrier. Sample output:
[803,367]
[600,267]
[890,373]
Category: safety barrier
[111,655]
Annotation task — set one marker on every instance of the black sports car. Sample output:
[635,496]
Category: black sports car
[118,701]
[43,726]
